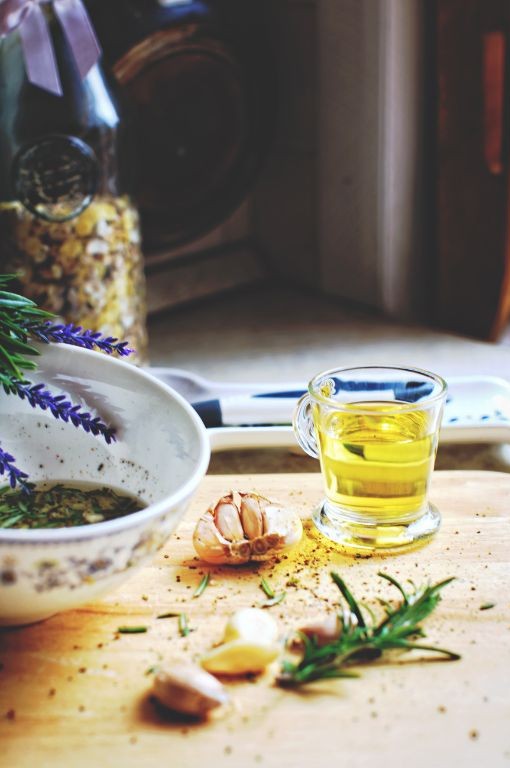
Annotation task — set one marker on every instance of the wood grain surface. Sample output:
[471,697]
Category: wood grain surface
[73,692]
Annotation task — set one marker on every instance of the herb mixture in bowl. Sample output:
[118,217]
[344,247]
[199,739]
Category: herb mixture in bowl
[63,506]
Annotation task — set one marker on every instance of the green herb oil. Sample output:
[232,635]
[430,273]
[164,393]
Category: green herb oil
[64,506]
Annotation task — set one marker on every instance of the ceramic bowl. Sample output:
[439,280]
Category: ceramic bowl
[160,455]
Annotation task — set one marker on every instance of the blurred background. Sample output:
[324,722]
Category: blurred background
[353,148]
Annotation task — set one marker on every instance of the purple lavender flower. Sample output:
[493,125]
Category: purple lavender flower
[15,475]
[76,336]
[61,408]
[20,320]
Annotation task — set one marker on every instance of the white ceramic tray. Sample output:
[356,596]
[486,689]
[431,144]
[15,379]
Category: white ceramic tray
[477,410]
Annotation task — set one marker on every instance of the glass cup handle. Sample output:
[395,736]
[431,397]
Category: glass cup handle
[303,427]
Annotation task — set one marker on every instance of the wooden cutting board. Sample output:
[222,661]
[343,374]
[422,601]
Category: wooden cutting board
[73,692]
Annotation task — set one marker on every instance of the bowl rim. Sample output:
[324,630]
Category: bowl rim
[135,519]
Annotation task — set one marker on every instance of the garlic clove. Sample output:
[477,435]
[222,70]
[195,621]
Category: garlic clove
[325,629]
[208,542]
[252,624]
[251,514]
[240,657]
[226,517]
[283,522]
[189,689]
[212,547]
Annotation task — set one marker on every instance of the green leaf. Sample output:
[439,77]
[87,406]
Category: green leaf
[16,298]
[275,600]
[184,629]
[266,587]
[351,602]
[203,584]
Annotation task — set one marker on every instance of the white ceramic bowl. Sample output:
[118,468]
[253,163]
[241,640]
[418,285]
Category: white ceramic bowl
[161,454]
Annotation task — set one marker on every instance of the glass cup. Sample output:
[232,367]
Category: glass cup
[375,431]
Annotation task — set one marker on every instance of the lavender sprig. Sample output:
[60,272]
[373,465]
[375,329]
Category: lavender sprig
[20,321]
[15,475]
[61,408]
[76,336]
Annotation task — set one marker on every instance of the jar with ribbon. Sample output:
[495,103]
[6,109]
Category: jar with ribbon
[68,227]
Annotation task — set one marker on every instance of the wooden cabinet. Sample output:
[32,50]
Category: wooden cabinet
[472,166]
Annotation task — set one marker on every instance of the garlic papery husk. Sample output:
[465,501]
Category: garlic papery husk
[189,689]
[245,526]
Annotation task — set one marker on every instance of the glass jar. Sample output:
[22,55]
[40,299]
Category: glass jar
[68,227]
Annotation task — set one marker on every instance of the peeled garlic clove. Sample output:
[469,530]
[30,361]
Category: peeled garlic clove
[252,624]
[251,514]
[189,689]
[239,657]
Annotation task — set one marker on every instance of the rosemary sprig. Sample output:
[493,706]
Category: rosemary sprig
[364,640]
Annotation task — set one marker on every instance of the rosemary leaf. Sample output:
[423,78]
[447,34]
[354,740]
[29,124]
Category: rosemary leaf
[201,587]
[266,587]
[279,598]
[11,520]
[184,629]
[131,630]
[169,615]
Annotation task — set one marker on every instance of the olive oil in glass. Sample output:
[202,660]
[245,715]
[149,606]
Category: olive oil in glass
[377,458]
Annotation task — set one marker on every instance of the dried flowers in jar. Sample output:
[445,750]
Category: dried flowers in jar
[68,228]
[88,269]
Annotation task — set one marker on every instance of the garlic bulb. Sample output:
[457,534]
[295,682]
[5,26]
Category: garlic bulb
[188,689]
[245,526]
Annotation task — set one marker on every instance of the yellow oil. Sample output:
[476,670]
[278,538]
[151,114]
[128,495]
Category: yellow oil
[378,462]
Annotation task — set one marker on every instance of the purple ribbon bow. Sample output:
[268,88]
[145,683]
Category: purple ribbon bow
[41,66]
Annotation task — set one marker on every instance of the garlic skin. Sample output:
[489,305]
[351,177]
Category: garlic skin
[189,689]
[241,527]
